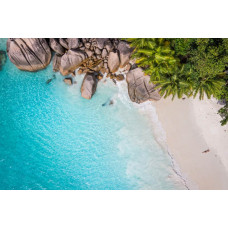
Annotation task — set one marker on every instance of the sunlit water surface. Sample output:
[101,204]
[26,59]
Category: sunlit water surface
[52,138]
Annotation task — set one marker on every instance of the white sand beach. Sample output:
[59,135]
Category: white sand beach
[192,127]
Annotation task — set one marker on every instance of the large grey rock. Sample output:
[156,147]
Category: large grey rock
[73,43]
[71,60]
[64,43]
[108,46]
[56,62]
[69,43]
[56,46]
[101,42]
[113,62]
[89,85]
[125,52]
[29,54]
[140,88]
[104,53]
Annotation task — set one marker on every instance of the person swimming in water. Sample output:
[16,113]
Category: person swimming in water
[108,102]
[50,79]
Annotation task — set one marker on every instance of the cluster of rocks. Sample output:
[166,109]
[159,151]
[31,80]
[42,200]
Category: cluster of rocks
[101,55]
[93,57]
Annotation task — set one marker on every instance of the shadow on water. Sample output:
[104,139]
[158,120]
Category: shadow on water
[2,58]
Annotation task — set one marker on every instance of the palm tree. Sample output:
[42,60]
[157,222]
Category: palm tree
[176,84]
[154,55]
[208,86]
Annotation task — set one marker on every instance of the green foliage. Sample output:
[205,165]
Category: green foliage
[208,86]
[176,84]
[224,114]
[209,57]
[223,96]
[188,66]
[154,55]
[182,46]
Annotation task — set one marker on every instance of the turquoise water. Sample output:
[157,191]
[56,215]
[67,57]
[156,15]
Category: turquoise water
[52,138]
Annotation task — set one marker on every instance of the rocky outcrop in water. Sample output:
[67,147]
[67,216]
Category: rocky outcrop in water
[29,54]
[91,56]
[89,85]
[68,81]
[139,87]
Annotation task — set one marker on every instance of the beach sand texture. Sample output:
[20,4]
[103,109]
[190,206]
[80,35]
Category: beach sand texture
[192,127]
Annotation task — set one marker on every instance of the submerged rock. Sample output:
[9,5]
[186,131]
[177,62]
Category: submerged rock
[89,85]
[68,81]
[140,88]
[70,61]
[29,54]
[108,102]
[50,79]
[113,62]
[2,58]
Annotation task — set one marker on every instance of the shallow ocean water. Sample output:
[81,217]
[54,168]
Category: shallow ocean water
[52,138]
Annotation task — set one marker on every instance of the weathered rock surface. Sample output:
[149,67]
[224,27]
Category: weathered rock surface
[73,43]
[56,62]
[68,81]
[125,53]
[29,54]
[64,43]
[56,46]
[139,87]
[104,53]
[101,42]
[71,60]
[69,43]
[113,62]
[89,85]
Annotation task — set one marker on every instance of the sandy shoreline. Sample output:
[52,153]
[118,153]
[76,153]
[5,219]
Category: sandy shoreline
[192,126]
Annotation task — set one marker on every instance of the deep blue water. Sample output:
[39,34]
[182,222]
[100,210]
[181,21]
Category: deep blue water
[52,138]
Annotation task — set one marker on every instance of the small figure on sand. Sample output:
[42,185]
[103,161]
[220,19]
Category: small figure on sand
[206,151]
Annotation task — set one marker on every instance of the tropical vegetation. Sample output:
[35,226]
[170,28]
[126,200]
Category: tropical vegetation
[195,67]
